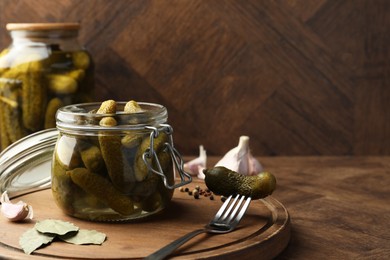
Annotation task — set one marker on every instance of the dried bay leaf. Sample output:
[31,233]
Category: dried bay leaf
[54,226]
[84,237]
[32,239]
[45,231]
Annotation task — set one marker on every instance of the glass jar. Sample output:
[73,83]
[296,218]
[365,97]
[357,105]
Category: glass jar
[116,172]
[43,69]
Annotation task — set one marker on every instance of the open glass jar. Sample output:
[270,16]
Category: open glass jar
[114,173]
[43,69]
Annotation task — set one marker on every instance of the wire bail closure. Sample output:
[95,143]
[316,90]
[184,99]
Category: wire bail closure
[177,159]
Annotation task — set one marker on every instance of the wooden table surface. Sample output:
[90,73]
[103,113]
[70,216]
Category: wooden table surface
[338,206]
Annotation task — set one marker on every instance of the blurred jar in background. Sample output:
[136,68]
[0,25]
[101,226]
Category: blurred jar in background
[42,70]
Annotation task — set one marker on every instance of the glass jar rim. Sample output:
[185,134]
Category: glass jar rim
[42,26]
[83,117]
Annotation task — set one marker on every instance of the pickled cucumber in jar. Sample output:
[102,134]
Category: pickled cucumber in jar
[101,176]
[43,69]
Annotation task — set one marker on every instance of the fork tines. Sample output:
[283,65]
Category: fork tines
[233,211]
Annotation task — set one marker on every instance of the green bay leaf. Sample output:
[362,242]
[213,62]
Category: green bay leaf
[84,237]
[54,226]
[32,240]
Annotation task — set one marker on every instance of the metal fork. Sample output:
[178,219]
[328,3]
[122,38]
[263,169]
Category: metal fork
[226,219]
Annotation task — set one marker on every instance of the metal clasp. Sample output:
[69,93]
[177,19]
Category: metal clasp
[177,159]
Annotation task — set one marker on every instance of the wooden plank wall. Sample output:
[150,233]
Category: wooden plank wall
[298,77]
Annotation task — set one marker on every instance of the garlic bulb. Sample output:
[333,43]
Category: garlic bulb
[196,166]
[240,159]
[17,211]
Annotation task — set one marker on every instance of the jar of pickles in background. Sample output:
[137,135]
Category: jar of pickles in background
[42,70]
[114,161]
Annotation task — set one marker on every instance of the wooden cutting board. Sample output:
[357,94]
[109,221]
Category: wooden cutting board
[262,234]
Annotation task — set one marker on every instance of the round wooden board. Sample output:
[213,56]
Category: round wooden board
[262,234]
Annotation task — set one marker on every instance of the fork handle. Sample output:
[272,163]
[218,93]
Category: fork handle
[168,249]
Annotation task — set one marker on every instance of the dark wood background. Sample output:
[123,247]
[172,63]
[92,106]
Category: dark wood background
[298,77]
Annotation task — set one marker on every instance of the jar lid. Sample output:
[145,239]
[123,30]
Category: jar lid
[25,165]
[42,26]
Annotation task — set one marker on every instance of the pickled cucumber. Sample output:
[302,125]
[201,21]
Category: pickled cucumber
[67,154]
[167,168]
[28,76]
[146,187]
[132,107]
[131,140]
[58,58]
[4,139]
[77,74]
[92,158]
[118,168]
[102,189]
[10,88]
[107,107]
[120,172]
[153,182]
[63,189]
[10,110]
[34,94]
[223,181]
[152,202]
[50,115]
[4,61]
[62,84]
[81,60]
[140,168]
[11,120]
[108,121]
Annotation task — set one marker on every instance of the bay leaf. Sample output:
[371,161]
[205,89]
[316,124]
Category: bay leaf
[55,226]
[84,237]
[32,239]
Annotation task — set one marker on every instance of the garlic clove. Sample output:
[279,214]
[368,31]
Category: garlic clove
[240,159]
[230,160]
[200,172]
[235,159]
[17,211]
[201,160]
[255,166]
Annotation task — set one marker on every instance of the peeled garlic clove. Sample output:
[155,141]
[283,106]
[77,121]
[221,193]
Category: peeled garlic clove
[239,159]
[15,212]
[192,166]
